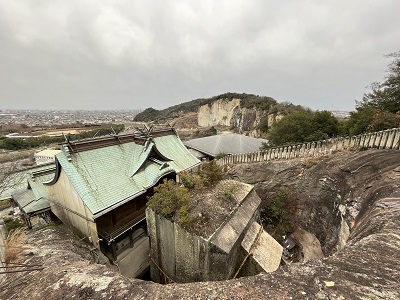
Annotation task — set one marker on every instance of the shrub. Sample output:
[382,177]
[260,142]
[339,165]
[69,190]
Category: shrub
[211,173]
[220,155]
[13,224]
[171,201]
[228,189]
[278,213]
[191,181]
[4,204]
[277,208]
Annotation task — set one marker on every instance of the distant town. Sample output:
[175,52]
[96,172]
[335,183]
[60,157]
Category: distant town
[31,118]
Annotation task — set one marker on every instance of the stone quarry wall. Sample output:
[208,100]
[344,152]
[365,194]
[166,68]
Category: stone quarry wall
[230,113]
[219,112]
[176,255]
[385,139]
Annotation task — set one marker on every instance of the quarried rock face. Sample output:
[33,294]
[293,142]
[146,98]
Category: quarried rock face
[220,112]
[366,267]
[186,257]
[230,113]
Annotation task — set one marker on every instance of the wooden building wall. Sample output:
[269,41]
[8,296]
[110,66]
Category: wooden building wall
[71,209]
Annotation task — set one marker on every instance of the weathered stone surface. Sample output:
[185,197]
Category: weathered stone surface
[264,249]
[367,267]
[229,113]
[220,112]
[309,244]
[185,257]
[233,231]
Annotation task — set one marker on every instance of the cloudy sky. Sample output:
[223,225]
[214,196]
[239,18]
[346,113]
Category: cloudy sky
[77,54]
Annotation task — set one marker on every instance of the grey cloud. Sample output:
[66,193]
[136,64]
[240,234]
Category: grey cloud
[130,54]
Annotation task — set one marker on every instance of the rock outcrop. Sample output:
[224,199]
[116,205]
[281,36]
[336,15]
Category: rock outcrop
[242,113]
[366,184]
[232,114]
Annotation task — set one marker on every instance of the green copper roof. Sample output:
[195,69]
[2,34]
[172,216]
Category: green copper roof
[33,199]
[18,180]
[109,176]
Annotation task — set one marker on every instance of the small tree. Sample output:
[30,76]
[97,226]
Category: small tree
[263,125]
[211,173]
[380,107]
[279,213]
[220,155]
[191,181]
[9,177]
[171,201]
[303,126]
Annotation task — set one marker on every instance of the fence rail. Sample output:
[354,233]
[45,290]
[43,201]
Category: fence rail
[385,139]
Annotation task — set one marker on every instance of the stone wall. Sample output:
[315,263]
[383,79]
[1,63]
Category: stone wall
[179,256]
[386,139]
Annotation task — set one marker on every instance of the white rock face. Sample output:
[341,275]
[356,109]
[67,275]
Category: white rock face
[219,113]
[230,113]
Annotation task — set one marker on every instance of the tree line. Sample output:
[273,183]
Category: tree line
[378,110]
[41,141]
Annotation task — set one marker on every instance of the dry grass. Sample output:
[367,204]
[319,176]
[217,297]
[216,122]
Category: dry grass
[312,162]
[14,244]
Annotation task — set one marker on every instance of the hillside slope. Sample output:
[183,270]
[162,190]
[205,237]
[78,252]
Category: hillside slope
[239,112]
[366,267]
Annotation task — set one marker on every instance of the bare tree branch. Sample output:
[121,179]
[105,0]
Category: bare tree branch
[9,176]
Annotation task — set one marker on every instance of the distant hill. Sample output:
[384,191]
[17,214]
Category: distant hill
[240,113]
[250,101]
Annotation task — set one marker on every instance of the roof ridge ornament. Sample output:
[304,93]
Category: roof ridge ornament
[65,149]
[146,131]
[172,127]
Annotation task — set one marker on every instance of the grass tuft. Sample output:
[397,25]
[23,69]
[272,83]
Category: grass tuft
[14,244]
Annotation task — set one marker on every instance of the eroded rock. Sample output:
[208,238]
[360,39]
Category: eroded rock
[365,268]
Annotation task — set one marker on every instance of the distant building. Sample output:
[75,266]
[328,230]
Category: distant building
[207,148]
[45,156]
[31,196]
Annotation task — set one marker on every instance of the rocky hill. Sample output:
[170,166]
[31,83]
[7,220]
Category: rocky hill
[243,113]
[350,202]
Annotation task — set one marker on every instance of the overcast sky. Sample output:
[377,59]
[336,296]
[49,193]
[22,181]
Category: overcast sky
[76,54]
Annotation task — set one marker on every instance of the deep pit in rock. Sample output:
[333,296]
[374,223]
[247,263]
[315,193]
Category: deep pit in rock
[324,196]
[360,188]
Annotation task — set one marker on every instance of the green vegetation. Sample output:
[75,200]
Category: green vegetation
[171,201]
[220,155]
[228,190]
[35,142]
[13,224]
[278,214]
[32,142]
[209,175]
[263,125]
[261,103]
[4,204]
[191,181]
[147,115]
[380,108]
[303,126]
